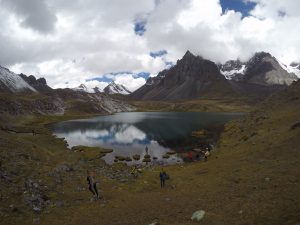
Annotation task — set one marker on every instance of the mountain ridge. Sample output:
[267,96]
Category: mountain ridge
[195,77]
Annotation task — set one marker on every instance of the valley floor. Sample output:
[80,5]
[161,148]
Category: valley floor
[253,177]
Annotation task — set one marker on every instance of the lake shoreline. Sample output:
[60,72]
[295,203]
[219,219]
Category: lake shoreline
[130,133]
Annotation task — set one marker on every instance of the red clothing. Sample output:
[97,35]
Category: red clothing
[190,155]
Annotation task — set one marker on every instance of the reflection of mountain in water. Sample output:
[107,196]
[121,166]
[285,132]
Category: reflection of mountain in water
[170,130]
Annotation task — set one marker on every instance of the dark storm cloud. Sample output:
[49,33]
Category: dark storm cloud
[35,14]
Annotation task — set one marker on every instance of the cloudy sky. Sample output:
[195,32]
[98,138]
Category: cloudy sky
[97,41]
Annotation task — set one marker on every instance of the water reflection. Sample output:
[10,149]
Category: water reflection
[129,133]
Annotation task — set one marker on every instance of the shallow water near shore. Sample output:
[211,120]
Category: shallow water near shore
[162,132]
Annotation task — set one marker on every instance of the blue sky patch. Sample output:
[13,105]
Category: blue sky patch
[169,64]
[158,53]
[140,27]
[109,77]
[145,75]
[238,6]
[101,79]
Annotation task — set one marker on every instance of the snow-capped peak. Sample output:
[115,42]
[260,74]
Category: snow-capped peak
[114,88]
[13,82]
[84,88]
[232,68]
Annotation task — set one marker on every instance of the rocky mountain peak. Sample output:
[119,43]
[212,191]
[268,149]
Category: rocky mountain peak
[38,84]
[191,77]
[11,82]
[114,88]
[265,69]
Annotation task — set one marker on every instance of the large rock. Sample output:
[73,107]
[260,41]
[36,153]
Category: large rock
[198,215]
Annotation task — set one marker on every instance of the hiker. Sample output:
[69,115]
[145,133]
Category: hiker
[92,183]
[33,133]
[146,149]
[206,154]
[190,155]
[162,176]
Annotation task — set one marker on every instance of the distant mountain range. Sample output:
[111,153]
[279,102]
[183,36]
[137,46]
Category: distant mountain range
[196,77]
[262,69]
[192,77]
[21,94]
[110,89]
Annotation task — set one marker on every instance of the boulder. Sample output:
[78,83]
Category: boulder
[198,215]
[136,157]
[166,156]
[146,160]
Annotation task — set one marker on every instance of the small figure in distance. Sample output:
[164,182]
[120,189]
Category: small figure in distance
[33,132]
[92,184]
[146,149]
[206,154]
[163,177]
[190,155]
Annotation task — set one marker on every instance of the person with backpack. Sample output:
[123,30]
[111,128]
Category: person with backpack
[92,184]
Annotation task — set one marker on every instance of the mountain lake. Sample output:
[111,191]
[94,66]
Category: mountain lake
[170,137]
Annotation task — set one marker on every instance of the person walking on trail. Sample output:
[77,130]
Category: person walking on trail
[162,176]
[146,149]
[92,184]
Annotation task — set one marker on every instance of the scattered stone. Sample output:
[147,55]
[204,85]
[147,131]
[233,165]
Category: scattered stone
[64,168]
[120,158]
[123,180]
[198,215]
[147,156]
[146,160]
[296,125]
[267,179]
[171,153]
[136,157]
[35,199]
[166,156]
[128,159]
[154,158]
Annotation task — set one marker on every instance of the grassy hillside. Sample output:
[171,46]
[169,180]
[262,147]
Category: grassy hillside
[196,105]
[251,178]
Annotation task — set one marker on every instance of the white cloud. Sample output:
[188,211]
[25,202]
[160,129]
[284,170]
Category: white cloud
[71,42]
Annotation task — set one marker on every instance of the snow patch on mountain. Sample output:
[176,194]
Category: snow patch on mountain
[292,68]
[84,88]
[13,82]
[230,74]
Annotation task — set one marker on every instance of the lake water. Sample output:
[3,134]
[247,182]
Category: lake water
[129,133]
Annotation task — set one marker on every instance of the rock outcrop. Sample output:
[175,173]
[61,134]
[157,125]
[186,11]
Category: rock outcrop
[38,84]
